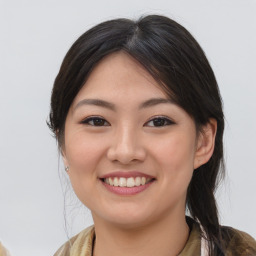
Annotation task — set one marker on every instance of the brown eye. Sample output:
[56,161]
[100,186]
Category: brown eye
[95,121]
[159,122]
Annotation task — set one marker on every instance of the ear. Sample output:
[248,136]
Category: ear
[205,143]
[64,158]
[65,161]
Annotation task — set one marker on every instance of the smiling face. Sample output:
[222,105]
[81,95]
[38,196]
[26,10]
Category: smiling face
[130,150]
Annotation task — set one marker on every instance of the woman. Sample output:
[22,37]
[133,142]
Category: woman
[137,114]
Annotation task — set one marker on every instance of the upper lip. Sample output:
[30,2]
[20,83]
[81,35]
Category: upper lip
[126,174]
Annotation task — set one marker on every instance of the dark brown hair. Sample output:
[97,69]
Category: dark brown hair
[177,62]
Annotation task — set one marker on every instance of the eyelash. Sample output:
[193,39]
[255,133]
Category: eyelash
[164,121]
[100,121]
[95,119]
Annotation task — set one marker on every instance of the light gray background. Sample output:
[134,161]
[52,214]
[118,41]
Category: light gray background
[35,36]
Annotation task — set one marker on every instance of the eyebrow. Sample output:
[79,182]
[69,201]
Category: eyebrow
[105,104]
[155,101]
[96,102]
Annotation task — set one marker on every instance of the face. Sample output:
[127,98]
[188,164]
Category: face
[130,150]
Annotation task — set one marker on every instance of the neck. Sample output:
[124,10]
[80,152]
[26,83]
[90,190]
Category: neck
[163,238]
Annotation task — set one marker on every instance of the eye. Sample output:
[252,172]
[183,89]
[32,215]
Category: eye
[159,122]
[95,121]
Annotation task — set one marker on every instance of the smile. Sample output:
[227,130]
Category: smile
[127,182]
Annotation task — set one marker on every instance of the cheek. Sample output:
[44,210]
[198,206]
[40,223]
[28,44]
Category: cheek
[83,155]
[176,151]
[175,157]
[83,152]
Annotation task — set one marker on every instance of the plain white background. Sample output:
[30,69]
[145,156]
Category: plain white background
[35,36]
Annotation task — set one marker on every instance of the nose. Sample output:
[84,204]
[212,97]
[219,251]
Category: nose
[126,146]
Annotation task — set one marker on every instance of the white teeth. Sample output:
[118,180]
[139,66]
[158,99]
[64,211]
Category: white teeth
[130,182]
[116,183]
[111,182]
[122,182]
[127,182]
[137,181]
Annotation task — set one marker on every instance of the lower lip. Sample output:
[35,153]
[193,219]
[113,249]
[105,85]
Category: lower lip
[125,191]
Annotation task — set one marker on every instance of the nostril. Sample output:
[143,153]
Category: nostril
[126,153]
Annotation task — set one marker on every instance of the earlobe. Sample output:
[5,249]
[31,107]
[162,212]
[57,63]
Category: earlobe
[205,143]
[65,161]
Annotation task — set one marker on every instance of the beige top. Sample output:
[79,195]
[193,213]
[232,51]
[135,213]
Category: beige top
[240,244]
[3,251]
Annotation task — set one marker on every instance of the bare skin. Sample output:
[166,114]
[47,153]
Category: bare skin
[166,237]
[122,123]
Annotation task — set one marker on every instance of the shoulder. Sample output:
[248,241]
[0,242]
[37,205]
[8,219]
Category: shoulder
[82,241]
[238,243]
[3,251]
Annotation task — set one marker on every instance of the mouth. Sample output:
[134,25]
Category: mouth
[129,182]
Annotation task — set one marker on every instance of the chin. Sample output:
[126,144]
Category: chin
[129,223]
[125,218]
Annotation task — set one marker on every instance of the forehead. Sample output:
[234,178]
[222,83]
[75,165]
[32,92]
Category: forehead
[120,76]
